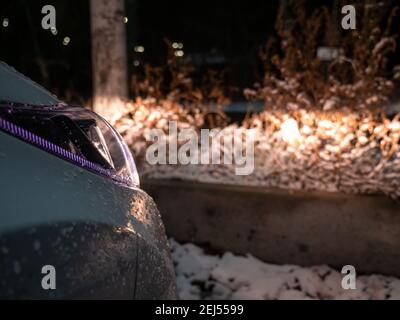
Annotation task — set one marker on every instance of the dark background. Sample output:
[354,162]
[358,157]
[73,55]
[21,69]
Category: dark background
[216,34]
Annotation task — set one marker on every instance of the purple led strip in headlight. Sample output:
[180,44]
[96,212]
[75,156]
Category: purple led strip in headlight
[53,148]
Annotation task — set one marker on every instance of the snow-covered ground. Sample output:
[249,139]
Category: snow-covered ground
[203,276]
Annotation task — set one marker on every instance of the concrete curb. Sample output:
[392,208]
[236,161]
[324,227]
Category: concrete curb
[284,227]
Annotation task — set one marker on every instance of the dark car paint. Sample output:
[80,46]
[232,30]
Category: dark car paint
[105,240]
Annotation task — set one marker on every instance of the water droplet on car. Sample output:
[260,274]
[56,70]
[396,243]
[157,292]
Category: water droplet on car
[36,245]
[17,267]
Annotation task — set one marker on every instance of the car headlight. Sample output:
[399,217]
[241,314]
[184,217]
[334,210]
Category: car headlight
[75,134]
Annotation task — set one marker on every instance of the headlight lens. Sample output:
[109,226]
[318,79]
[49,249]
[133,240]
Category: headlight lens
[75,134]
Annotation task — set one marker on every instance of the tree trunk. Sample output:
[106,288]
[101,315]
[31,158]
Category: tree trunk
[109,64]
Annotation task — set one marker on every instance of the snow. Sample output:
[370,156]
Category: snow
[205,276]
[333,151]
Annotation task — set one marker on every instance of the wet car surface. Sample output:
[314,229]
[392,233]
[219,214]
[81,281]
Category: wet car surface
[67,209]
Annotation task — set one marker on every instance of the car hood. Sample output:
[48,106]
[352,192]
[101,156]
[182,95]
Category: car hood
[15,87]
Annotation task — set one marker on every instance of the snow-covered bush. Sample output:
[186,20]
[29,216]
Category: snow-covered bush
[359,77]
[321,129]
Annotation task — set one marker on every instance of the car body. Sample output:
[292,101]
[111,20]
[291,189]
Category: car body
[74,222]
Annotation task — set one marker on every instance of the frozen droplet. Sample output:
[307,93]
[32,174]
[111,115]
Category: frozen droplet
[17,267]
[36,245]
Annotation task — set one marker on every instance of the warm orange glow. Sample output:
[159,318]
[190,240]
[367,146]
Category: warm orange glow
[290,132]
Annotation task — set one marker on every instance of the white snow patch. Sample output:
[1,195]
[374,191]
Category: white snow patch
[204,276]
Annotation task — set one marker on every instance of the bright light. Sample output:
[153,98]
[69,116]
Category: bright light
[136,63]
[290,131]
[5,22]
[325,124]
[125,19]
[66,41]
[139,49]
[394,126]
[177,45]
[179,53]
